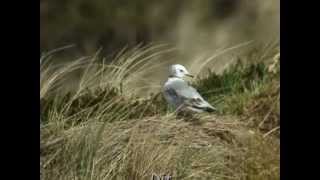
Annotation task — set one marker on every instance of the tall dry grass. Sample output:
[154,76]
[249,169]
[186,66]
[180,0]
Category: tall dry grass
[101,130]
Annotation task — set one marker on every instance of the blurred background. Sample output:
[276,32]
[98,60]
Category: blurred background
[195,28]
[191,25]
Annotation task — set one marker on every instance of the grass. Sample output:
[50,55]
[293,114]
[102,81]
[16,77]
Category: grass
[101,130]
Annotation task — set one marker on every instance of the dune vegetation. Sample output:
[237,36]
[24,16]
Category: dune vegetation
[102,128]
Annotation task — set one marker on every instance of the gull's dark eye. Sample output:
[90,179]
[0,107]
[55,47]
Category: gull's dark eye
[181,70]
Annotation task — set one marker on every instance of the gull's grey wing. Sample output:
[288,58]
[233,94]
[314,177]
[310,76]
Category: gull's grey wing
[182,89]
[175,92]
[180,92]
[171,96]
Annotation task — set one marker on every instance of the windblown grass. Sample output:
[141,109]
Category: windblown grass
[103,131]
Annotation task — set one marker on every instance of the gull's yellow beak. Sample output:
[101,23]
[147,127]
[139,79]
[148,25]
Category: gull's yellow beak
[189,75]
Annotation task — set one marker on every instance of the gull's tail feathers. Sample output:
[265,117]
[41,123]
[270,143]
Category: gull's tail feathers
[211,109]
[200,105]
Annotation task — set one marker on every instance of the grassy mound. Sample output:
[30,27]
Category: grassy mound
[101,131]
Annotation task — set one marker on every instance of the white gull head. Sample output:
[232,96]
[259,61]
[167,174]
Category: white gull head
[179,71]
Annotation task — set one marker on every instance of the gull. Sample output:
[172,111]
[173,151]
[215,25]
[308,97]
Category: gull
[179,94]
